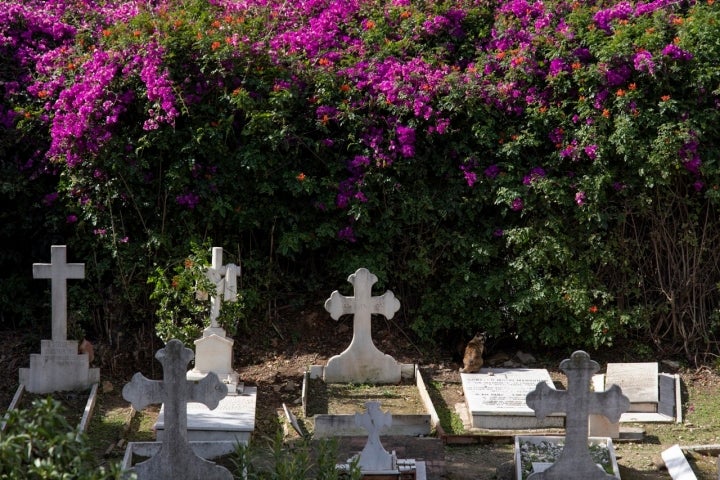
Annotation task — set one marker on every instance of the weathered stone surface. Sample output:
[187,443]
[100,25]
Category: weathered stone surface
[176,458]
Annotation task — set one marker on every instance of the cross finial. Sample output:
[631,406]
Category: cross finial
[59,271]
[578,402]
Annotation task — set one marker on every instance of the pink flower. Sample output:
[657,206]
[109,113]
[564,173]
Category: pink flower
[580,198]
[517,204]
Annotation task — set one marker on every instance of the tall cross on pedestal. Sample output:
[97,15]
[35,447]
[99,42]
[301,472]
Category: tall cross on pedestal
[59,271]
[363,305]
[176,458]
[578,402]
[224,277]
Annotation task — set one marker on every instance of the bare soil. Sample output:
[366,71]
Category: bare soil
[274,354]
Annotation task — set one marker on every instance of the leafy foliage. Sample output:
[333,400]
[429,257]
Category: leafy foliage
[502,166]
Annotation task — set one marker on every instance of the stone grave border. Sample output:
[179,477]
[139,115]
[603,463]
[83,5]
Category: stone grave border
[555,439]
[403,424]
[666,380]
[87,412]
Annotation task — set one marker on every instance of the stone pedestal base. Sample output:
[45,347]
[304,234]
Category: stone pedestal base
[58,368]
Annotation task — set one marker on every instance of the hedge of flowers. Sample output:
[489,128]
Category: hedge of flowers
[546,170]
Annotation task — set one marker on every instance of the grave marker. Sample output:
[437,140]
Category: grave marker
[58,367]
[639,382]
[176,458]
[373,456]
[362,361]
[214,351]
[59,272]
[495,398]
[578,402]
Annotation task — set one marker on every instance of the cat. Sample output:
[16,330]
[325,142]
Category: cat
[474,350]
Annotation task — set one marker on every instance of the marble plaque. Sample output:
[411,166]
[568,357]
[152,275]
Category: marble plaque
[496,398]
[638,381]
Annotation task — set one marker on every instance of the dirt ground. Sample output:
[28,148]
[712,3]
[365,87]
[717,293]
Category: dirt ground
[274,355]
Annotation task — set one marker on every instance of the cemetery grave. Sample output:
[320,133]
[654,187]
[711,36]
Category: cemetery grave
[333,393]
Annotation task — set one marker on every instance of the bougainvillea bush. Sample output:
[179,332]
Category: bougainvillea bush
[543,170]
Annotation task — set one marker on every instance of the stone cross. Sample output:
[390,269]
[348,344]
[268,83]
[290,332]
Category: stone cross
[176,458]
[224,277]
[59,271]
[374,457]
[578,402]
[362,356]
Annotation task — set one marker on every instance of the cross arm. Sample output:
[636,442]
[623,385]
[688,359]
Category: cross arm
[387,305]
[338,305]
[141,391]
[209,391]
[614,403]
[545,400]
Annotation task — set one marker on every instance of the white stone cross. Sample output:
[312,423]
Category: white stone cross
[59,271]
[224,277]
[362,361]
[176,458]
[578,402]
[374,457]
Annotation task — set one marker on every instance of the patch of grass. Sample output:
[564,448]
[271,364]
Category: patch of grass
[450,421]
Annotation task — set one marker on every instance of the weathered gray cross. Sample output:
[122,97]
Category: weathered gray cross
[374,457]
[59,271]
[176,459]
[363,305]
[224,277]
[578,402]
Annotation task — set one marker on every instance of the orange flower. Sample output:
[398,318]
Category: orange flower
[620,92]
[710,2]
[325,119]
[500,55]
[369,25]
[576,65]
[665,98]
[300,177]
[188,263]
[215,45]
[676,41]
[606,113]
[632,87]
[216,24]
[107,32]
[405,14]
[42,93]
[344,88]
[324,62]
[137,33]
[175,282]
[678,21]
[593,309]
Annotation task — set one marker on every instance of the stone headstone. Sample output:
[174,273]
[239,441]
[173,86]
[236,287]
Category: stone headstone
[578,402]
[214,351]
[495,398]
[638,381]
[374,457]
[59,366]
[362,362]
[176,458]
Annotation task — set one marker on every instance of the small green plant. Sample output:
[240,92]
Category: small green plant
[302,460]
[183,298]
[39,443]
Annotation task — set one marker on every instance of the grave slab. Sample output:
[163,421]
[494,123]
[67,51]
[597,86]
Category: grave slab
[362,362]
[638,381]
[495,399]
[59,366]
[233,420]
[539,467]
